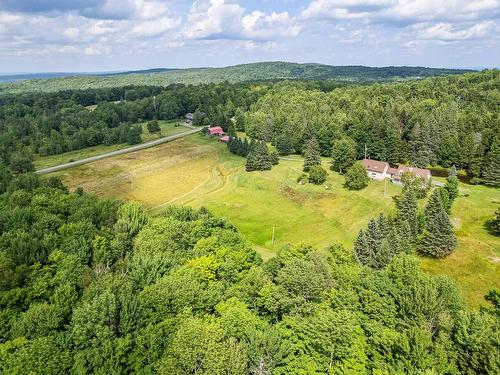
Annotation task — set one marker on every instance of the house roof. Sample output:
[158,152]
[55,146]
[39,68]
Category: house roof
[215,130]
[375,165]
[419,172]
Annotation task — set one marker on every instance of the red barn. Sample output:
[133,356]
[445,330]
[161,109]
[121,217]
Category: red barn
[216,130]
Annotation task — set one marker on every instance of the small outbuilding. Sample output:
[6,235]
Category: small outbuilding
[216,130]
[224,139]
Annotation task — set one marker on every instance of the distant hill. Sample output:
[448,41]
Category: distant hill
[236,73]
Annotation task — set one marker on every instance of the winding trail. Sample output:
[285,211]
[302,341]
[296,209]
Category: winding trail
[138,147]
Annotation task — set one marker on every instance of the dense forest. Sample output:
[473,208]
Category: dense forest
[94,285]
[54,123]
[238,73]
[444,121]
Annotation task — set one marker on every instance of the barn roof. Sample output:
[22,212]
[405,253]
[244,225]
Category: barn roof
[215,130]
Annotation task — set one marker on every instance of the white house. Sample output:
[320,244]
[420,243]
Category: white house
[378,170]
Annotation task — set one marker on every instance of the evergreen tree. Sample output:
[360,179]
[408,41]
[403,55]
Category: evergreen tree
[258,159]
[239,120]
[374,236]
[356,177]
[274,157]
[312,154]
[343,154]
[383,255]
[406,237]
[445,199]
[491,174]
[362,250]
[231,130]
[420,146]
[284,144]
[407,211]
[451,186]
[438,239]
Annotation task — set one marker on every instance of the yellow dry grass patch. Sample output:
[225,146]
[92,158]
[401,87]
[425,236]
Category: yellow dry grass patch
[152,176]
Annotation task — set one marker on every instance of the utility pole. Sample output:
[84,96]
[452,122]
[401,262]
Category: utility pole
[154,105]
[366,149]
[385,186]
[272,240]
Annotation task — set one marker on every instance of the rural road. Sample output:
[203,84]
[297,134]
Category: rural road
[141,146]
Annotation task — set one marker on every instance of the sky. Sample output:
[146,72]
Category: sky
[117,35]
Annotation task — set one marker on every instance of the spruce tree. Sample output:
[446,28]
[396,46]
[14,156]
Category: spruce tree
[374,238]
[438,239]
[231,130]
[312,155]
[407,211]
[258,159]
[383,255]
[362,250]
[406,237]
[491,174]
[451,186]
[284,145]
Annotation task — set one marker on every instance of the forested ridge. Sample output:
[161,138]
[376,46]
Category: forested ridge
[93,285]
[233,74]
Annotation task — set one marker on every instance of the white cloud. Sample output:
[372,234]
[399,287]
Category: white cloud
[261,25]
[447,32]
[155,27]
[97,50]
[216,19]
[403,10]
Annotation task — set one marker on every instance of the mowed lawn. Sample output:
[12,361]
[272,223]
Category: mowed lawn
[197,171]
[167,128]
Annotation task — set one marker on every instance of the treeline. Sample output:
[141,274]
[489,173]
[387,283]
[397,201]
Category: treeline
[264,71]
[94,285]
[47,124]
[446,121]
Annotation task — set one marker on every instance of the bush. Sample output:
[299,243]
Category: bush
[317,175]
[153,127]
[302,179]
[356,177]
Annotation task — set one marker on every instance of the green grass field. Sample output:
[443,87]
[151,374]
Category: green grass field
[197,171]
[167,128]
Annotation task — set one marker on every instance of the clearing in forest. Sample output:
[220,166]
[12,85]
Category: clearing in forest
[197,171]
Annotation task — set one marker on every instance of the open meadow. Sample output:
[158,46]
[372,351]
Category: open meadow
[166,128]
[197,171]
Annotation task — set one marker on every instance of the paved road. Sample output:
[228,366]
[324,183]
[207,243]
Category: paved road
[141,146]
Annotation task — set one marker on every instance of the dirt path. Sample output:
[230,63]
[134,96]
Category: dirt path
[138,147]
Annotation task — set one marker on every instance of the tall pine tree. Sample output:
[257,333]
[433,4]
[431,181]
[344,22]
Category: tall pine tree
[407,211]
[491,174]
[312,155]
[258,159]
[438,239]
[451,186]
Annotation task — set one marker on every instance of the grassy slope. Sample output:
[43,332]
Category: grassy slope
[197,171]
[167,128]
[237,73]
